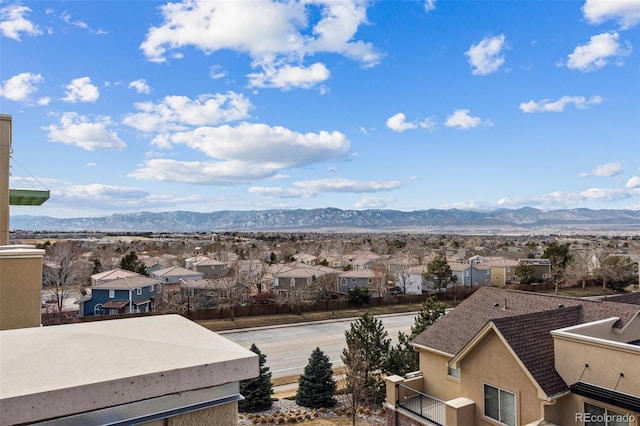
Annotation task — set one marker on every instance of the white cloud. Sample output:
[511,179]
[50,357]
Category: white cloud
[225,172]
[278,36]
[561,199]
[81,90]
[311,188]
[429,5]
[20,86]
[288,77]
[625,12]
[373,202]
[277,147]
[398,123]
[216,72]
[140,86]
[78,130]
[67,18]
[13,22]
[601,49]
[545,105]
[44,101]
[461,118]
[178,112]
[605,170]
[244,153]
[485,57]
[633,182]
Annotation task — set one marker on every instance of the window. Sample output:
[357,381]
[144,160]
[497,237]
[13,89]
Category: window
[453,372]
[353,280]
[139,291]
[500,405]
[600,416]
[370,280]
[343,281]
[97,310]
[151,288]
[112,294]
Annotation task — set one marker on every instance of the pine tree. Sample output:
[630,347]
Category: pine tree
[257,391]
[367,337]
[316,385]
[131,263]
[430,311]
[402,358]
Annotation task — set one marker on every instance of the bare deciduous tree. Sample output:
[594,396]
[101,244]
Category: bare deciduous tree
[63,271]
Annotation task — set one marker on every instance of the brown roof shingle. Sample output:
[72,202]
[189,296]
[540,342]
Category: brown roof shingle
[453,331]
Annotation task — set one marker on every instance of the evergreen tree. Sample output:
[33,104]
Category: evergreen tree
[257,391]
[430,311]
[403,358]
[317,385]
[439,272]
[131,262]
[367,337]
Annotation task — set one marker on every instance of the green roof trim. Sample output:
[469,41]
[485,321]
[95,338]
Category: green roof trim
[28,197]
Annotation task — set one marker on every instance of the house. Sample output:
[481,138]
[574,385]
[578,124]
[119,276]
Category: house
[502,271]
[363,278]
[307,259]
[210,268]
[127,295]
[505,357]
[176,274]
[541,268]
[314,279]
[410,280]
[209,292]
[110,275]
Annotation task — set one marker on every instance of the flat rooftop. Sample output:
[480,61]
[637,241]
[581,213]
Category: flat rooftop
[67,369]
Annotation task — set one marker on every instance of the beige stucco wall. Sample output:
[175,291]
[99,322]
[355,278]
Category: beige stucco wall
[492,363]
[20,286]
[436,379]
[226,414]
[605,364]
[498,278]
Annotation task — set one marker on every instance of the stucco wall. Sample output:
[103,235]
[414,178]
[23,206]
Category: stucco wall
[492,363]
[20,287]
[436,379]
[605,364]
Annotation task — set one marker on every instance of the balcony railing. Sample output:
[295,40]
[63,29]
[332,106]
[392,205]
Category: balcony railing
[421,404]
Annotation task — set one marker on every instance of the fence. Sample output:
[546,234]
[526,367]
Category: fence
[421,404]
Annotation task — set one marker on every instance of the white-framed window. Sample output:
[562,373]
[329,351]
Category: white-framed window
[487,272]
[151,288]
[97,310]
[370,280]
[139,291]
[343,281]
[453,372]
[508,268]
[544,275]
[499,405]
[595,415]
[112,294]
[353,280]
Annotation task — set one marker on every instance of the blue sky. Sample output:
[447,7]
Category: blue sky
[128,106]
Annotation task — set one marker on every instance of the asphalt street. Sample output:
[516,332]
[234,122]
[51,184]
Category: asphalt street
[289,347]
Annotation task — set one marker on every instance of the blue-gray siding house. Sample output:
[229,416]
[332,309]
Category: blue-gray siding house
[122,296]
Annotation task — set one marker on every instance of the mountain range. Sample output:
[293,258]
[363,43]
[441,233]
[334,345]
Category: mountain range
[525,220]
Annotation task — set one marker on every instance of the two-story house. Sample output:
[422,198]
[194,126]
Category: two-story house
[297,276]
[127,295]
[210,268]
[363,278]
[505,357]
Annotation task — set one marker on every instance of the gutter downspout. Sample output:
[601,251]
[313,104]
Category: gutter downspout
[542,420]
